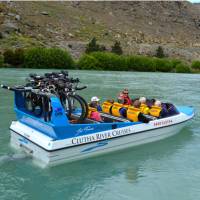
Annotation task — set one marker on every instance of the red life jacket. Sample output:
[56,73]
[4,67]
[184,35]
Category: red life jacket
[127,100]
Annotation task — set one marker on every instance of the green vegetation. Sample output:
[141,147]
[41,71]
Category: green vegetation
[160,52]
[56,58]
[163,65]
[1,61]
[14,57]
[183,68]
[140,63]
[196,65]
[88,62]
[116,48]
[48,58]
[93,46]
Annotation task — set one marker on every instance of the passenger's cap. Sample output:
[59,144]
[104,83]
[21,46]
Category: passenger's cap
[95,99]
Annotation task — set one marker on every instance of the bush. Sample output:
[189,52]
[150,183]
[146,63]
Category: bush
[19,57]
[183,68]
[196,65]
[175,62]
[58,58]
[140,63]
[110,61]
[163,65]
[1,61]
[92,46]
[8,56]
[48,58]
[116,48]
[14,57]
[160,52]
[87,61]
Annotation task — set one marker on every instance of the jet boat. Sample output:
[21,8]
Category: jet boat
[52,137]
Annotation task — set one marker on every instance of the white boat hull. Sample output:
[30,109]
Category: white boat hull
[50,158]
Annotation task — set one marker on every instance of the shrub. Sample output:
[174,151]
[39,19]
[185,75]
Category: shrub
[110,61]
[1,61]
[58,58]
[116,48]
[183,68]
[8,56]
[175,62]
[18,57]
[196,65]
[48,58]
[14,57]
[92,46]
[163,65]
[160,52]
[87,61]
[140,63]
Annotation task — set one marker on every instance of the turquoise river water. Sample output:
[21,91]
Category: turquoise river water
[168,169]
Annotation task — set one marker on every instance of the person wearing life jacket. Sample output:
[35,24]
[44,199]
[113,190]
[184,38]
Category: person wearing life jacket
[124,97]
[134,111]
[95,103]
[93,112]
[156,109]
[143,107]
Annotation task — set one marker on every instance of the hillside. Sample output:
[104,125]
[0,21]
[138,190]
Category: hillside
[139,26]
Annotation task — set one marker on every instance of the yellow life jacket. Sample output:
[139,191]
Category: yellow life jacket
[90,110]
[155,111]
[115,109]
[144,109]
[106,107]
[125,106]
[132,113]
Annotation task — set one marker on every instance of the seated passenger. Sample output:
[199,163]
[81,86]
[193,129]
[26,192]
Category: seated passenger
[95,103]
[150,102]
[172,110]
[133,111]
[116,108]
[93,112]
[124,97]
[164,112]
[144,108]
[156,109]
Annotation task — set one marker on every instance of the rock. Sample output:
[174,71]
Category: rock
[44,13]
[17,17]
[9,27]
[70,35]
[11,14]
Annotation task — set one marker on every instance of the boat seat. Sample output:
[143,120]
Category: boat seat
[110,118]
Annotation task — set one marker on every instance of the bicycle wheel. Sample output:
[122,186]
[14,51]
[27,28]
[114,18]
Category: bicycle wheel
[73,104]
[85,105]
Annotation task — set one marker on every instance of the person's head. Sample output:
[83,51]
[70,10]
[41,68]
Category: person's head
[142,100]
[157,103]
[125,92]
[95,99]
[136,104]
[110,100]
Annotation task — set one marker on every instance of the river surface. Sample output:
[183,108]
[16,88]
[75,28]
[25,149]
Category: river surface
[168,169]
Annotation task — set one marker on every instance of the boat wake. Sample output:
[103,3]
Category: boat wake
[13,157]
